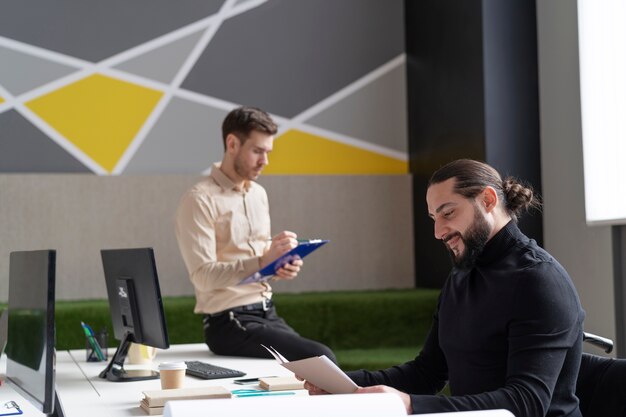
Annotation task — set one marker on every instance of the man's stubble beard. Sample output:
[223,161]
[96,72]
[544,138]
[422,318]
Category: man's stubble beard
[243,173]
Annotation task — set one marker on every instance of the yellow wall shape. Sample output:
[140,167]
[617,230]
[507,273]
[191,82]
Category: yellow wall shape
[98,114]
[297,152]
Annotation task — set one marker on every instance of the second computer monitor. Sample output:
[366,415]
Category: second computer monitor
[136,307]
[30,333]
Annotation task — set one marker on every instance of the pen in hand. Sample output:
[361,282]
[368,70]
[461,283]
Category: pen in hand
[297,240]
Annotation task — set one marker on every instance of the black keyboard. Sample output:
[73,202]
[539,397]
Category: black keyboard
[207,371]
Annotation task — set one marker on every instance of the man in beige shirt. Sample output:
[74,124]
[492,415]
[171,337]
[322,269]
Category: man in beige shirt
[223,232]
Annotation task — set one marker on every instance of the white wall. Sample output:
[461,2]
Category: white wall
[583,250]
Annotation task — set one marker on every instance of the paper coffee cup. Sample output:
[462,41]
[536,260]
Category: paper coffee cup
[172,374]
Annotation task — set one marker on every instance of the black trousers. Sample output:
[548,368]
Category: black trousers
[236,333]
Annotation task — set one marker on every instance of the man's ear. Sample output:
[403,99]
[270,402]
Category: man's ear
[489,199]
[232,143]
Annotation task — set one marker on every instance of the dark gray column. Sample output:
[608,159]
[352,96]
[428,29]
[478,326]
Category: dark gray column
[619,288]
[472,93]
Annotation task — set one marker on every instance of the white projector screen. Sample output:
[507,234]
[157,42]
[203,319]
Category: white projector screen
[602,49]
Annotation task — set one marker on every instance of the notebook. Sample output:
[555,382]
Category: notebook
[154,401]
[280,383]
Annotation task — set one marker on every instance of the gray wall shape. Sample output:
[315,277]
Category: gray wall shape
[20,72]
[375,113]
[24,148]
[162,64]
[94,30]
[186,139]
[285,55]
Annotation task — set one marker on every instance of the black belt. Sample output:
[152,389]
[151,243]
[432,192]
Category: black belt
[262,306]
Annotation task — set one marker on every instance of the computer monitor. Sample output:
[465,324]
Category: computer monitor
[30,328]
[136,308]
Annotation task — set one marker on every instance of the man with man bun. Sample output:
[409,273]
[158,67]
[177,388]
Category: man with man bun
[507,331]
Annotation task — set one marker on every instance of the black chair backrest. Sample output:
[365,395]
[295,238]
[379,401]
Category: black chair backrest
[601,386]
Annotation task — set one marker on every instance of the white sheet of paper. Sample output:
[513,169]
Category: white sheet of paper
[323,373]
[363,405]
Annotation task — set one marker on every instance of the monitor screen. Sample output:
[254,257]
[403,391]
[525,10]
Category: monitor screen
[136,307]
[30,327]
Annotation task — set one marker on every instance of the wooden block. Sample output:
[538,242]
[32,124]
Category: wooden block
[158,398]
[282,383]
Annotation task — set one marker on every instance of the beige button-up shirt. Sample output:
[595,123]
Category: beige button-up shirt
[222,230]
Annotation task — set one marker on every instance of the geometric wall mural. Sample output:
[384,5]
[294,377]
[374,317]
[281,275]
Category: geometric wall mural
[99,115]
[26,149]
[325,156]
[100,91]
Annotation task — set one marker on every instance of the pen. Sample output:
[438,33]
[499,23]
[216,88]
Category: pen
[92,340]
[297,240]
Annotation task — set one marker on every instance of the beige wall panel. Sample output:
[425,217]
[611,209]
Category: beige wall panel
[368,219]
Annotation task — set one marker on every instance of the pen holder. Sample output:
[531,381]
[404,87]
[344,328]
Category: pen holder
[91,349]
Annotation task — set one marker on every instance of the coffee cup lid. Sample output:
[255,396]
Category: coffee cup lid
[166,366]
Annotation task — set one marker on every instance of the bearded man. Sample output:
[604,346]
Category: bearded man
[507,332]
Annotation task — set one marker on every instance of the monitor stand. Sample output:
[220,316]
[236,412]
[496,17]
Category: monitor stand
[115,369]
[4,317]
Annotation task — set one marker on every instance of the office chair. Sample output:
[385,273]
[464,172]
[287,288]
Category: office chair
[601,385]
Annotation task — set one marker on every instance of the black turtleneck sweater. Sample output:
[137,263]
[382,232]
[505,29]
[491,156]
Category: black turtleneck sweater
[507,334]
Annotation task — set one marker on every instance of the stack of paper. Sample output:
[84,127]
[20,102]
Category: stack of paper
[280,383]
[153,402]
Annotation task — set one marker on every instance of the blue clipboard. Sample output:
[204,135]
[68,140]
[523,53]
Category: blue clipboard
[299,252]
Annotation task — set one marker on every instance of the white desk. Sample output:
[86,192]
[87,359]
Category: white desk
[104,398]
[82,393]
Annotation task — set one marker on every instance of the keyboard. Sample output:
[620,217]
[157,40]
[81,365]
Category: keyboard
[207,371]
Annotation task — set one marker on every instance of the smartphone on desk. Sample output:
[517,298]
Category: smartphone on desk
[248,381]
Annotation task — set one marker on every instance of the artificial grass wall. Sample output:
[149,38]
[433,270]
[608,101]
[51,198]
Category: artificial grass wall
[182,325]
[343,320]
[364,319]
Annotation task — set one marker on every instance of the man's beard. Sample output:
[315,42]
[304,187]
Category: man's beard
[474,240]
[246,173]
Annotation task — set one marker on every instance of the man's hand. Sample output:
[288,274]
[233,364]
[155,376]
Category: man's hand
[289,270]
[384,388]
[313,389]
[406,399]
[281,244]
